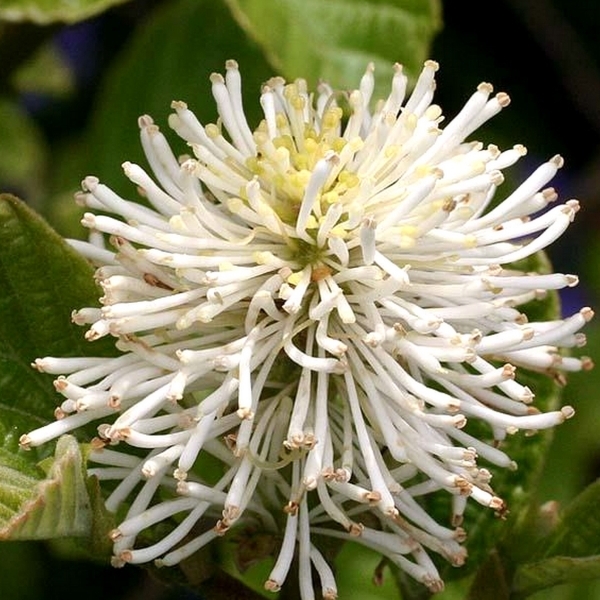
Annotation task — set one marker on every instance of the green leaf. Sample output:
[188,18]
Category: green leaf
[54,506]
[360,567]
[546,573]
[49,11]
[22,571]
[170,58]
[23,160]
[45,72]
[51,499]
[42,280]
[571,551]
[578,531]
[335,40]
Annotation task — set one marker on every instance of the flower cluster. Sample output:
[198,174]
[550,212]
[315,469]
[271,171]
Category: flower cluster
[308,314]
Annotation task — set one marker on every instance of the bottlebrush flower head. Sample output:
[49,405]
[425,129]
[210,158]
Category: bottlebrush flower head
[321,306]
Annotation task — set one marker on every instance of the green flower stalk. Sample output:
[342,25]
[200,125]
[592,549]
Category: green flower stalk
[321,305]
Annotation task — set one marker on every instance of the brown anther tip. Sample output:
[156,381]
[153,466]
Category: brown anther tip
[496,177]
[528,333]
[230,441]
[550,194]
[572,206]
[503,99]
[587,364]
[435,586]
[522,150]
[154,281]
[527,395]
[572,280]
[453,407]
[372,497]
[377,578]
[509,371]
[587,313]
[460,535]
[181,476]
[25,442]
[221,527]
[60,384]
[457,520]
[342,475]
[449,206]
[291,508]
[567,411]
[458,559]
[559,378]
[80,198]
[102,430]
[497,503]
[521,319]
[460,421]
[245,414]
[272,586]
[145,121]
[119,435]
[309,441]
[117,562]
[97,444]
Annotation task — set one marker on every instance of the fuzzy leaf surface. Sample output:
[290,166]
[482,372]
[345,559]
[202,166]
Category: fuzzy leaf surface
[56,505]
[335,40]
[50,11]
[42,281]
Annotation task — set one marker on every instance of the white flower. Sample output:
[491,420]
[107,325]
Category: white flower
[320,305]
